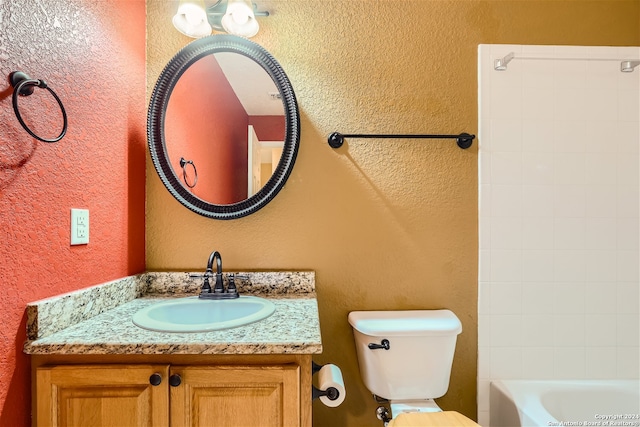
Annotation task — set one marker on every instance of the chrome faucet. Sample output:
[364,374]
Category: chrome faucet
[218,291]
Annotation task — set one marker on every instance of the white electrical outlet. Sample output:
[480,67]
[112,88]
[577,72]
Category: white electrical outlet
[79,226]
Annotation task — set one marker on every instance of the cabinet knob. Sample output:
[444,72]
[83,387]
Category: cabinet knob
[155,379]
[175,380]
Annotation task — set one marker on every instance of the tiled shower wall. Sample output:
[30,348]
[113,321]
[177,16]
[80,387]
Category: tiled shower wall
[559,225]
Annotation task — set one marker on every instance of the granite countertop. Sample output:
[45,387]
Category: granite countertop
[97,320]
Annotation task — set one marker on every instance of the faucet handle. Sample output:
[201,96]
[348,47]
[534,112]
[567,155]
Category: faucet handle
[231,287]
[206,286]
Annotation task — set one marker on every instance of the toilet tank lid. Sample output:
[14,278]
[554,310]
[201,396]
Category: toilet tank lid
[406,322]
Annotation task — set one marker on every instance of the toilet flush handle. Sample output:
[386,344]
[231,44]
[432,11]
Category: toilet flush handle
[383,344]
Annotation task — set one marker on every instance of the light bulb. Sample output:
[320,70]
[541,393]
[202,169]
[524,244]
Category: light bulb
[193,16]
[239,19]
[191,19]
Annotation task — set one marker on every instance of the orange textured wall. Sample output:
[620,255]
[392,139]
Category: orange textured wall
[93,55]
[386,224]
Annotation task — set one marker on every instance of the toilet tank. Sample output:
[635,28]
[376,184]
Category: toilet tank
[417,364]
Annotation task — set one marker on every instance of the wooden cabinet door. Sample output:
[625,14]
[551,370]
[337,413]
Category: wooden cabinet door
[234,396]
[102,396]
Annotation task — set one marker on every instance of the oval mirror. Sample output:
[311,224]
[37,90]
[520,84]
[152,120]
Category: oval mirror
[223,127]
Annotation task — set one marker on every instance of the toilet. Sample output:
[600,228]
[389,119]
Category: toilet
[405,357]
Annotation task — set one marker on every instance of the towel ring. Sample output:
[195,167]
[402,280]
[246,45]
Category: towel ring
[23,86]
[183,164]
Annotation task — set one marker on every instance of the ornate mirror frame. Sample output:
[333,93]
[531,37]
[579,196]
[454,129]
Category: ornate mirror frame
[157,112]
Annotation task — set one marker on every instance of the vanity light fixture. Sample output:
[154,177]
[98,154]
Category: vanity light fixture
[191,19]
[237,17]
[628,66]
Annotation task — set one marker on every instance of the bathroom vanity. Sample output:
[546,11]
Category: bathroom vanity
[91,365]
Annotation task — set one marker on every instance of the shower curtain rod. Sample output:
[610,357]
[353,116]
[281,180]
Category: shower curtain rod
[626,65]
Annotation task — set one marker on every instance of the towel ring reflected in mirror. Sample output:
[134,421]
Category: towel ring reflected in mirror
[183,164]
[167,147]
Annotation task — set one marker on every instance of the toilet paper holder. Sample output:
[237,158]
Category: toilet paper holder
[331,393]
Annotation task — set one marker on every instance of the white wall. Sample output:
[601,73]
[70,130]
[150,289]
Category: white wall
[559,225]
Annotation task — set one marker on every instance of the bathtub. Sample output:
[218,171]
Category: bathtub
[564,403]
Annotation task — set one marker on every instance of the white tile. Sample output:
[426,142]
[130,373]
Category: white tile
[569,330]
[537,233]
[506,233]
[628,266]
[506,266]
[570,75]
[628,298]
[569,233]
[537,298]
[506,298]
[484,233]
[601,234]
[506,167]
[537,266]
[538,103]
[506,103]
[601,362]
[537,168]
[628,330]
[601,201]
[569,201]
[600,298]
[483,418]
[484,200]
[602,74]
[484,297]
[506,330]
[484,266]
[601,168]
[484,330]
[484,165]
[506,135]
[536,74]
[537,331]
[484,363]
[602,104]
[628,366]
[601,266]
[562,52]
[537,362]
[627,201]
[628,234]
[628,137]
[537,201]
[569,363]
[628,167]
[506,362]
[569,168]
[569,103]
[600,330]
[537,135]
[600,136]
[483,395]
[628,105]
[569,266]
[569,298]
[569,136]
[506,200]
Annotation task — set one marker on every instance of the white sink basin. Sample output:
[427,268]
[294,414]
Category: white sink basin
[199,315]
